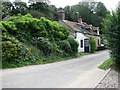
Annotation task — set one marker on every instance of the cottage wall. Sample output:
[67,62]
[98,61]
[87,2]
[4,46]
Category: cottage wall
[80,37]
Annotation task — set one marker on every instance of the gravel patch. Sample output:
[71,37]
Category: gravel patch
[110,80]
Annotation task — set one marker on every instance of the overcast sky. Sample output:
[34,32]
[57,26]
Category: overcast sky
[110,4]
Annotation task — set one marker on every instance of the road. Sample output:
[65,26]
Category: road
[75,73]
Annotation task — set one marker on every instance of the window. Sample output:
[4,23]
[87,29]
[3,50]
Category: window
[81,41]
[75,34]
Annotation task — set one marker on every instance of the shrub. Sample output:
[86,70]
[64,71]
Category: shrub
[56,49]
[11,48]
[45,46]
[65,45]
[29,27]
[93,44]
[25,40]
[30,53]
[8,26]
[74,45]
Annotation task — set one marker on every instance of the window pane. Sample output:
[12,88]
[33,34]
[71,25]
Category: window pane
[81,43]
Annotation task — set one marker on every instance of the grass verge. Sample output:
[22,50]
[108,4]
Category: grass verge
[106,64]
[109,63]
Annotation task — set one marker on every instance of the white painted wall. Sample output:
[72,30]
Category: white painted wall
[80,37]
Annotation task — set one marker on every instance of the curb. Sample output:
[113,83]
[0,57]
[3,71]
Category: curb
[101,79]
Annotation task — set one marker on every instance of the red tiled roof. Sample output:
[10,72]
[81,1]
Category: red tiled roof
[71,25]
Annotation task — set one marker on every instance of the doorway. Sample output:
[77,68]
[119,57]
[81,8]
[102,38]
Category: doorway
[86,45]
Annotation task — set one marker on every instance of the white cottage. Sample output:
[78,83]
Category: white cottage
[78,34]
[80,31]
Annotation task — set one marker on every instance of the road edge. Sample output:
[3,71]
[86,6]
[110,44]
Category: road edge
[102,78]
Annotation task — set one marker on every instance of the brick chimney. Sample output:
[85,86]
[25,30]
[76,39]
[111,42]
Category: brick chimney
[61,15]
[80,20]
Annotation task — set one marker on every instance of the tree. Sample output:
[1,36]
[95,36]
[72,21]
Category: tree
[111,27]
[6,8]
[14,8]
[43,9]
[83,11]
[36,14]
[68,12]
[19,7]
[91,12]
[101,12]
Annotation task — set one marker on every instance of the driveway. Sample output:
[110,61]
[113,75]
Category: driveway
[76,73]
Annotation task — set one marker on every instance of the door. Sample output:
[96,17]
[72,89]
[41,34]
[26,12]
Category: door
[86,44]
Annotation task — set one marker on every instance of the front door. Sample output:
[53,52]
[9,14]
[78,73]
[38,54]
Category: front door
[86,44]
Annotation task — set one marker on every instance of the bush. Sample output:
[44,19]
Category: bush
[74,45]
[29,27]
[30,53]
[27,40]
[45,46]
[56,49]
[65,45]
[93,44]
[11,48]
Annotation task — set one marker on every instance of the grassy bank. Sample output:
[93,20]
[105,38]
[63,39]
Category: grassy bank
[43,60]
[109,63]
[106,64]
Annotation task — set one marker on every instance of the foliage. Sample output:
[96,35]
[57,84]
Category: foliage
[111,27]
[6,8]
[15,53]
[30,27]
[93,44]
[68,13]
[19,7]
[37,10]
[91,12]
[36,14]
[43,9]
[65,45]
[74,45]
[27,41]
[14,8]
[11,48]
[45,46]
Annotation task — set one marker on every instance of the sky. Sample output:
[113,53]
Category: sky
[110,4]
